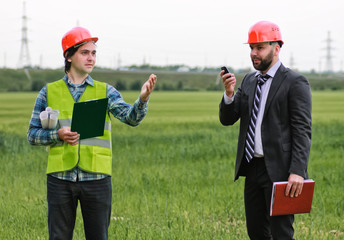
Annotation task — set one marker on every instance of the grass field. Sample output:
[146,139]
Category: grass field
[172,175]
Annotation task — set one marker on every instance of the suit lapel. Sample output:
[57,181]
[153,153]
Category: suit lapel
[275,85]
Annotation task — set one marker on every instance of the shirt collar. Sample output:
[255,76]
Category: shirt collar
[88,80]
[272,71]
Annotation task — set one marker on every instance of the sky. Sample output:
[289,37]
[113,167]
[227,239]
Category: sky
[167,32]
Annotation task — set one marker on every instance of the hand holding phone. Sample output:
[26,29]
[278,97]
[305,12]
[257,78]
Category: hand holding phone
[224,68]
[228,83]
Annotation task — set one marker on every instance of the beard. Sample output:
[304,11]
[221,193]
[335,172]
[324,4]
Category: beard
[264,62]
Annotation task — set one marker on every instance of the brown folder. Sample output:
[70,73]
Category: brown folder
[282,205]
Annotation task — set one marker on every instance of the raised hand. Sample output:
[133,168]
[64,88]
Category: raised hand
[229,82]
[148,87]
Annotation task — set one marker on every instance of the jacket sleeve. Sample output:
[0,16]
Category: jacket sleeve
[300,107]
[230,113]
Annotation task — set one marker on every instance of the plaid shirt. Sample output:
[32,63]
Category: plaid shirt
[126,113]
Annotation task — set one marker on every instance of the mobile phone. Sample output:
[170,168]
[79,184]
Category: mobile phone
[225,69]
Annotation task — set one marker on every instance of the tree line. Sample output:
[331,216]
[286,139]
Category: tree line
[14,80]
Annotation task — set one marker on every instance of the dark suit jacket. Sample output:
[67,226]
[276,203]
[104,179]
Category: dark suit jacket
[286,124]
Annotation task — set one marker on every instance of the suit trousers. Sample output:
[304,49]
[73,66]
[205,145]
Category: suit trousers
[258,189]
[95,199]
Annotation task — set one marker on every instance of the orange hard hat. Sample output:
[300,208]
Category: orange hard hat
[76,36]
[264,31]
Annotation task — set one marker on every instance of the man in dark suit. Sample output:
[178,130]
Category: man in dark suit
[274,107]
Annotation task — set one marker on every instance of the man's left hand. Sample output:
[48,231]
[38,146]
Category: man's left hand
[295,184]
[148,87]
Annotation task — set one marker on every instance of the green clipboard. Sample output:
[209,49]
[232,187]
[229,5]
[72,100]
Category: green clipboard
[89,118]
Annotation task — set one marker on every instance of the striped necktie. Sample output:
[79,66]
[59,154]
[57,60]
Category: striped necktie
[249,146]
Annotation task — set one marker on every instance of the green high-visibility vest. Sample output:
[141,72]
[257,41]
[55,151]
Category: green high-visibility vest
[92,154]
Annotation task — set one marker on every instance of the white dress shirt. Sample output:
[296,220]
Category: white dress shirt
[258,147]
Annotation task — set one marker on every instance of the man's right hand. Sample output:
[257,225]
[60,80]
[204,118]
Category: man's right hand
[229,82]
[67,136]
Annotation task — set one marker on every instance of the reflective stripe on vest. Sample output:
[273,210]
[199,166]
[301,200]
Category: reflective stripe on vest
[92,154]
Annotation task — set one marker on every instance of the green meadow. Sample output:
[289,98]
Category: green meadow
[173,175]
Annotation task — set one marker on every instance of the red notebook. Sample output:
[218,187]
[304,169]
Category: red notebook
[282,205]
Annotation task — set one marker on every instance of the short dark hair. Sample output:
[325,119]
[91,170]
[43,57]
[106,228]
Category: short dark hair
[68,54]
[278,42]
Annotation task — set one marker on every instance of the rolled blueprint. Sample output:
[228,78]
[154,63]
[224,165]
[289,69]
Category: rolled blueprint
[49,118]
[44,116]
[53,117]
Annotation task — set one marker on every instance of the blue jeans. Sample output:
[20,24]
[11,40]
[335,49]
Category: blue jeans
[95,200]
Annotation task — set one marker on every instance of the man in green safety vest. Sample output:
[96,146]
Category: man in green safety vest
[80,170]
